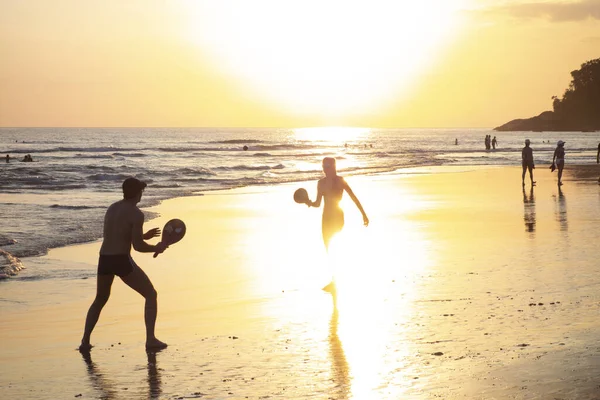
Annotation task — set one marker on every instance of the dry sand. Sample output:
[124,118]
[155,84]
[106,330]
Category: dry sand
[461,287]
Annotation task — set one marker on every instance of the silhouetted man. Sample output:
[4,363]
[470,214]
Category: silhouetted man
[123,224]
[527,162]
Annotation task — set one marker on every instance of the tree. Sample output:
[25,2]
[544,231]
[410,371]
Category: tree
[577,110]
[580,105]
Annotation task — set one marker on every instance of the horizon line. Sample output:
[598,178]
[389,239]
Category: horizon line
[244,127]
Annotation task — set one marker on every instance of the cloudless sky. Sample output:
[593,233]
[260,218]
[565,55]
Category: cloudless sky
[288,63]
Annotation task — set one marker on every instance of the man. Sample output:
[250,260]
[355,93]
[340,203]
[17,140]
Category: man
[527,162]
[123,225]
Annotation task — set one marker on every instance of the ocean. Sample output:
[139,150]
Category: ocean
[60,197]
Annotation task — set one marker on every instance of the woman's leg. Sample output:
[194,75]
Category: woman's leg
[560,171]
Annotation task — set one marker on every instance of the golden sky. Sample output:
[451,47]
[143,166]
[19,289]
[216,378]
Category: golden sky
[288,63]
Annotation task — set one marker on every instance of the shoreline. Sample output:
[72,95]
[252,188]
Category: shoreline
[579,171]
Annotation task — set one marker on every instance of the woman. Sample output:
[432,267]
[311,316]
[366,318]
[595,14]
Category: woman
[559,156]
[331,188]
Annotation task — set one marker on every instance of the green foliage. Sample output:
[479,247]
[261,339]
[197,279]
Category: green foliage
[579,107]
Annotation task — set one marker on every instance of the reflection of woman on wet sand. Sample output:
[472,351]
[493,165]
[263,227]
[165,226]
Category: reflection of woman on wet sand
[339,364]
[331,188]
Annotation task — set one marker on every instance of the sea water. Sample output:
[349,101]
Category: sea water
[60,197]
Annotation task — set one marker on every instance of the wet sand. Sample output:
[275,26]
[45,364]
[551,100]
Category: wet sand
[465,285]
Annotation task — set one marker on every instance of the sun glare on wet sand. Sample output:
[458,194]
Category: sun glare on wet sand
[371,265]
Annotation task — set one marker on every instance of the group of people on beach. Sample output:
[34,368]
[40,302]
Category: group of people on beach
[558,161]
[123,228]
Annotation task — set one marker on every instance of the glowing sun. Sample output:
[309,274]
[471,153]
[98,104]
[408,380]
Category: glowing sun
[326,57]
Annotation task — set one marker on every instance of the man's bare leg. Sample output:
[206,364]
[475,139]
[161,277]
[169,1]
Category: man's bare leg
[139,281]
[103,285]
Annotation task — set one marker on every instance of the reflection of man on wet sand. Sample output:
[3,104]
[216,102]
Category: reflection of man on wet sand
[99,382]
[529,210]
[123,224]
[107,388]
[331,188]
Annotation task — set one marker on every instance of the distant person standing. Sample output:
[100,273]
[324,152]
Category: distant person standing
[456,141]
[559,159]
[597,158]
[494,143]
[8,157]
[527,162]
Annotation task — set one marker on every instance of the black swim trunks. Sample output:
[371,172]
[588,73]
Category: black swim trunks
[117,264]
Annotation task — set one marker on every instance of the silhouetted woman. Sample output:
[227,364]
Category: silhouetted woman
[559,156]
[331,188]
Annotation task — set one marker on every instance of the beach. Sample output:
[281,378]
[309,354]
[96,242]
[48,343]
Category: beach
[464,285]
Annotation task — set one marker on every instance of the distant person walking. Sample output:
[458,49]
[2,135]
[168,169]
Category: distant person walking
[558,159]
[494,143]
[527,162]
[487,142]
[123,224]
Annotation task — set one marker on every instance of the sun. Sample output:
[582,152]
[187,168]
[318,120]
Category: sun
[327,57]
